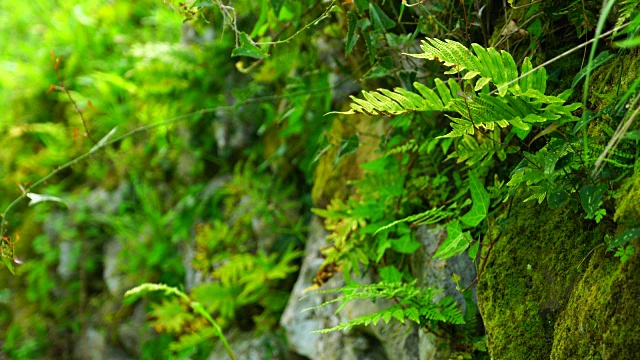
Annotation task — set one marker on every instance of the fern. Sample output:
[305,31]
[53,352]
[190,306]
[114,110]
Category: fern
[428,217]
[491,65]
[472,151]
[520,102]
[413,303]
[627,8]
[400,101]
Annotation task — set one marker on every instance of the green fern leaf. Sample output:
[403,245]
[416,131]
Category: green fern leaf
[626,9]
[400,101]
[491,65]
[170,316]
[428,217]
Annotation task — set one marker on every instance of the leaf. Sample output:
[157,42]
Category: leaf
[371,46]
[557,198]
[9,265]
[405,245]
[277,5]
[348,146]
[37,198]
[104,140]
[170,316]
[248,48]
[455,243]
[352,37]
[602,58]
[632,42]
[379,19]
[480,205]
[564,161]
[590,197]
[473,251]
[390,274]
[624,238]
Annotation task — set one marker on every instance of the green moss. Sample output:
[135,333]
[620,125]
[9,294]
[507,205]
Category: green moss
[527,283]
[628,205]
[602,319]
[613,78]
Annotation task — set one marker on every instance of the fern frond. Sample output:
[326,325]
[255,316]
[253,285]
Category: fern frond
[627,8]
[400,101]
[491,65]
[428,217]
[471,152]
[189,341]
[409,146]
[414,303]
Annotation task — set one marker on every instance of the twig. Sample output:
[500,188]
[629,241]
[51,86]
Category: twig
[324,15]
[63,88]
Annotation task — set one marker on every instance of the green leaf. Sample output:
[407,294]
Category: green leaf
[361,5]
[473,250]
[405,245]
[557,198]
[535,28]
[277,5]
[371,46]
[390,274]
[9,265]
[480,205]
[602,58]
[348,146]
[564,161]
[379,19]
[104,140]
[247,48]
[352,37]
[632,42]
[455,243]
[624,238]
[590,197]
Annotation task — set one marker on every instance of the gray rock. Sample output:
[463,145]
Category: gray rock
[93,346]
[115,278]
[434,272]
[247,346]
[133,333]
[381,342]
[68,260]
[392,341]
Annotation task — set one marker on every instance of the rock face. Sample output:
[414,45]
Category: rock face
[393,341]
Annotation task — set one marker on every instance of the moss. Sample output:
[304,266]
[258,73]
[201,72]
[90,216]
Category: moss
[613,78]
[628,203]
[527,282]
[602,319]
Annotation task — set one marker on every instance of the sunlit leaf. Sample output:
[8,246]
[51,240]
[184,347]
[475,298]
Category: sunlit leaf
[38,198]
[455,243]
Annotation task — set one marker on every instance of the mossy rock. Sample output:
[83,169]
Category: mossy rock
[334,171]
[528,281]
[602,320]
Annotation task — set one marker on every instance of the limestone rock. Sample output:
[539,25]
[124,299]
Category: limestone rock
[393,341]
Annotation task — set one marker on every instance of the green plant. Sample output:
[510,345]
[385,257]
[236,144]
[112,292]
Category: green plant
[412,302]
[141,290]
